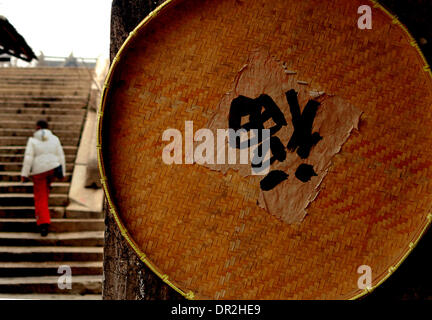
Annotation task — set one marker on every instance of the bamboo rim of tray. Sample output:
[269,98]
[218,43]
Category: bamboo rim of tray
[112,208]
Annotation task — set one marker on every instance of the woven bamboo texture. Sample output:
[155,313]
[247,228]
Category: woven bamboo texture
[200,230]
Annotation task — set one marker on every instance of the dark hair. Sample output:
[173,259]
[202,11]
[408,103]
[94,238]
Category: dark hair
[42,124]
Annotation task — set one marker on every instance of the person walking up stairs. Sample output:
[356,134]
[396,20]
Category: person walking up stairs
[44,159]
[31,265]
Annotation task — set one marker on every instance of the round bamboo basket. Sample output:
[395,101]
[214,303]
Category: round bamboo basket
[201,230]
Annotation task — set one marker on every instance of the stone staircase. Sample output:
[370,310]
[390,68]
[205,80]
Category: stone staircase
[28,262]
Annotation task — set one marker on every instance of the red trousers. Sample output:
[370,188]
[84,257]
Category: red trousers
[41,185]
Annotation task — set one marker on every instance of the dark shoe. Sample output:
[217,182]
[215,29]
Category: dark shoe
[44,229]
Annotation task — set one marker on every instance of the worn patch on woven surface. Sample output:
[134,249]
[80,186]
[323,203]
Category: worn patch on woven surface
[332,122]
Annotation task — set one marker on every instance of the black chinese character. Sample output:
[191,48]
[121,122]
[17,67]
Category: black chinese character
[302,139]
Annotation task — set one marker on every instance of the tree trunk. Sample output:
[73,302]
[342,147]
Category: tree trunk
[126,277]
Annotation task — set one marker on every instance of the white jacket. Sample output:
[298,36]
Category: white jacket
[43,153]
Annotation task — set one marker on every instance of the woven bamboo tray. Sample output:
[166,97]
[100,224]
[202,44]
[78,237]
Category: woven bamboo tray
[201,230]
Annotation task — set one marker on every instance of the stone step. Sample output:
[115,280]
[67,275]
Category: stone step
[26,199]
[44,98]
[50,297]
[58,125]
[49,268]
[70,158]
[44,79]
[25,212]
[50,253]
[27,187]
[46,71]
[17,166]
[36,117]
[67,85]
[80,285]
[42,85]
[15,84]
[27,133]
[72,212]
[22,212]
[19,150]
[67,239]
[27,93]
[22,141]
[45,82]
[15,176]
[57,225]
[42,111]
[40,104]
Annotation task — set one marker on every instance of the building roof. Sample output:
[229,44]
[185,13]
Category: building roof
[12,43]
